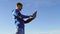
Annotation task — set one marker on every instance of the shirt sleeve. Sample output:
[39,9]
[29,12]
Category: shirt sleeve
[14,13]
[24,16]
[17,13]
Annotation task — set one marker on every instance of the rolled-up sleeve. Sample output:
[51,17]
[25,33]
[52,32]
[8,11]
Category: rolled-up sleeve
[24,16]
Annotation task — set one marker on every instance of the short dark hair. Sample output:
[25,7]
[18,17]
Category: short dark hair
[19,4]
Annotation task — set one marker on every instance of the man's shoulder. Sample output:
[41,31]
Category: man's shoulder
[14,10]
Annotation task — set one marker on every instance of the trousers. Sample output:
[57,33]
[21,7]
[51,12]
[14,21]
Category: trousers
[20,31]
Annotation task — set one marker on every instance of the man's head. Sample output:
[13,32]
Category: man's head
[19,6]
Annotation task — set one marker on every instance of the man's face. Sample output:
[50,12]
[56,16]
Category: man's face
[19,7]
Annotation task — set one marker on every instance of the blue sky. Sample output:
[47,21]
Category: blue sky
[46,22]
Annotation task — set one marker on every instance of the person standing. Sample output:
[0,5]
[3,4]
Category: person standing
[19,18]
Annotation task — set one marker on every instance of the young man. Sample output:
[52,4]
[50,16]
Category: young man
[19,18]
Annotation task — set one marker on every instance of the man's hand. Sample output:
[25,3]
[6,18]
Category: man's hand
[31,15]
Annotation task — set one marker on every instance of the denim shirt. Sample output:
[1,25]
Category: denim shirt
[20,24]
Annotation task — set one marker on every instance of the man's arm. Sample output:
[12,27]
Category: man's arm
[24,16]
[30,19]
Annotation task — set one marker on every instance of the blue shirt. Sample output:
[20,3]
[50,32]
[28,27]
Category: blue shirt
[20,24]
